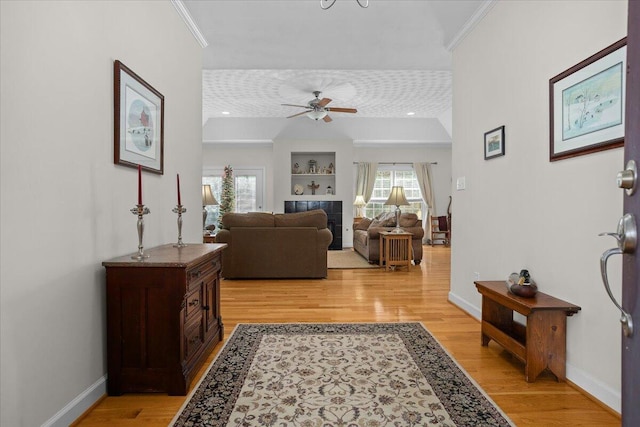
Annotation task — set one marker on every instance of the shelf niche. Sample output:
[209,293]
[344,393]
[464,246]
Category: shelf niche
[321,173]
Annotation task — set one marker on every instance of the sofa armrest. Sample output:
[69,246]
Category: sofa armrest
[223,236]
[324,237]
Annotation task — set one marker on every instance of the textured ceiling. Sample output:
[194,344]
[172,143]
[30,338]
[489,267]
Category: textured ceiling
[375,93]
[387,60]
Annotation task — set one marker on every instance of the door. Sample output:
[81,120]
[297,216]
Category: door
[631,262]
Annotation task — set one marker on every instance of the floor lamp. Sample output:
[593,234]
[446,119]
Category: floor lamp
[397,198]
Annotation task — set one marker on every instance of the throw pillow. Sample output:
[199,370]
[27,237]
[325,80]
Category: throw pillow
[364,224]
[385,219]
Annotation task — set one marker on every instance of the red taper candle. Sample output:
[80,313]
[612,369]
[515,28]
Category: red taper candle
[178,184]
[139,184]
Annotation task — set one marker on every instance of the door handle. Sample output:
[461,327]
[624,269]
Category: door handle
[627,237]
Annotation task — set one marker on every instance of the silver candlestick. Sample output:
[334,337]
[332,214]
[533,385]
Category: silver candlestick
[140,210]
[179,210]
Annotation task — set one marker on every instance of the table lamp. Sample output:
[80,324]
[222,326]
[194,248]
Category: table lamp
[359,203]
[207,200]
[397,198]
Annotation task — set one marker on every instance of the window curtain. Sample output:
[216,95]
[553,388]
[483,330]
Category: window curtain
[365,179]
[423,174]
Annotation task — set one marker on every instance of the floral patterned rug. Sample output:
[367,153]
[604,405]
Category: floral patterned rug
[334,374]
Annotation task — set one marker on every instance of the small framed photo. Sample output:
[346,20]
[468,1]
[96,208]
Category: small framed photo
[586,104]
[138,121]
[494,143]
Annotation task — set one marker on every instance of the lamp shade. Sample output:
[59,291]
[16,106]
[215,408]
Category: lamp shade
[359,201]
[207,196]
[397,197]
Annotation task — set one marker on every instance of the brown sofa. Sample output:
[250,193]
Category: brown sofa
[366,234]
[263,245]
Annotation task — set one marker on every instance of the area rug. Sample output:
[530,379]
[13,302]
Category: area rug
[318,375]
[347,258]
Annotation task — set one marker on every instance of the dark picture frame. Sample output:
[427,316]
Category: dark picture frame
[586,104]
[138,121]
[494,143]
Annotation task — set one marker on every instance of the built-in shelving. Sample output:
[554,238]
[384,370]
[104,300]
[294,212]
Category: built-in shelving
[313,168]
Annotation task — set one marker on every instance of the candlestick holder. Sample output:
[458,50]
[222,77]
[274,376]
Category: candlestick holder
[140,210]
[179,210]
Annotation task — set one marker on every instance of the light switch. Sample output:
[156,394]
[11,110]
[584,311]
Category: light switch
[461,183]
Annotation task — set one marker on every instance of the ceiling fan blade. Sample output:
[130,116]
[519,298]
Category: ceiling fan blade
[327,119]
[296,115]
[324,101]
[342,110]
[295,105]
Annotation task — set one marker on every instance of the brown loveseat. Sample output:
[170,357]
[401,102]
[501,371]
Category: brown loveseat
[263,245]
[366,234]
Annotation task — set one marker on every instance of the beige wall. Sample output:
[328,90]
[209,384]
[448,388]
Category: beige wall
[65,205]
[520,210]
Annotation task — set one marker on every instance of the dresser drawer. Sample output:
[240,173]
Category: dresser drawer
[193,339]
[195,301]
[197,273]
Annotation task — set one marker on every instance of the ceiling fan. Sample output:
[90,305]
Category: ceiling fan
[317,108]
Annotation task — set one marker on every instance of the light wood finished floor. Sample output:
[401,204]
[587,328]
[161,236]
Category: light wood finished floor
[372,295]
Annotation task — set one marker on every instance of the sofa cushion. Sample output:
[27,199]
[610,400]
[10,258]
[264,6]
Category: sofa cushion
[363,224]
[315,218]
[253,219]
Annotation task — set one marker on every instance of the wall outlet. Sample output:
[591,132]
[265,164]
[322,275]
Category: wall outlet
[476,275]
[461,183]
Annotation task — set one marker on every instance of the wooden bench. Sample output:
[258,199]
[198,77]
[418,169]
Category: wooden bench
[541,344]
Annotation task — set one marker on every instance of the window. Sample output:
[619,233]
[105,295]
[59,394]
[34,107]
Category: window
[389,176]
[248,189]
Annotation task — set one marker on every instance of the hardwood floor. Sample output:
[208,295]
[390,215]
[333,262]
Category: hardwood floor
[372,295]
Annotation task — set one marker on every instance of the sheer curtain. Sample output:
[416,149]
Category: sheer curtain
[365,179]
[423,174]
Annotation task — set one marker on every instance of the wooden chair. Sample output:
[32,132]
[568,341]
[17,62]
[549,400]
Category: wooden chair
[440,229]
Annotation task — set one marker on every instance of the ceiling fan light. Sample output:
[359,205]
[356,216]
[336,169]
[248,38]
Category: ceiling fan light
[316,114]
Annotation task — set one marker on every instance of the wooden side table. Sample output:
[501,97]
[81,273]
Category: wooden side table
[395,249]
[209,238]
[541,344]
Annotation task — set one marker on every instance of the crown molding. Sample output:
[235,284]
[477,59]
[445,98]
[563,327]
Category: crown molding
[186,17]
[471,23]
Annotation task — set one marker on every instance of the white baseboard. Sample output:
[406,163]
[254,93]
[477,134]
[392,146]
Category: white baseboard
[465,305]
[78,406]
[605,394]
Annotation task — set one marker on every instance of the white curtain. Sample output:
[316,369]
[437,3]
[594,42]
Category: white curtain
[423,174]
[365,179]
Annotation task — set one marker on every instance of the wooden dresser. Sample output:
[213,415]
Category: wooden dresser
[163,317]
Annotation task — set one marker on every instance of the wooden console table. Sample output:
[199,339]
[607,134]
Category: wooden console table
[541,344]
[395,249]
[163,317]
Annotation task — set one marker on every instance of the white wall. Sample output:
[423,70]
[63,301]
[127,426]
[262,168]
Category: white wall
[520,210]
[65,205]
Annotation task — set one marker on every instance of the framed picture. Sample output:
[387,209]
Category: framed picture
[494,143]
[138,121]
[586,104]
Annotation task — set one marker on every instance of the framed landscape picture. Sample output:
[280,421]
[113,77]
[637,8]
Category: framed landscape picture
[494,143]
[138,121]
[586,104]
